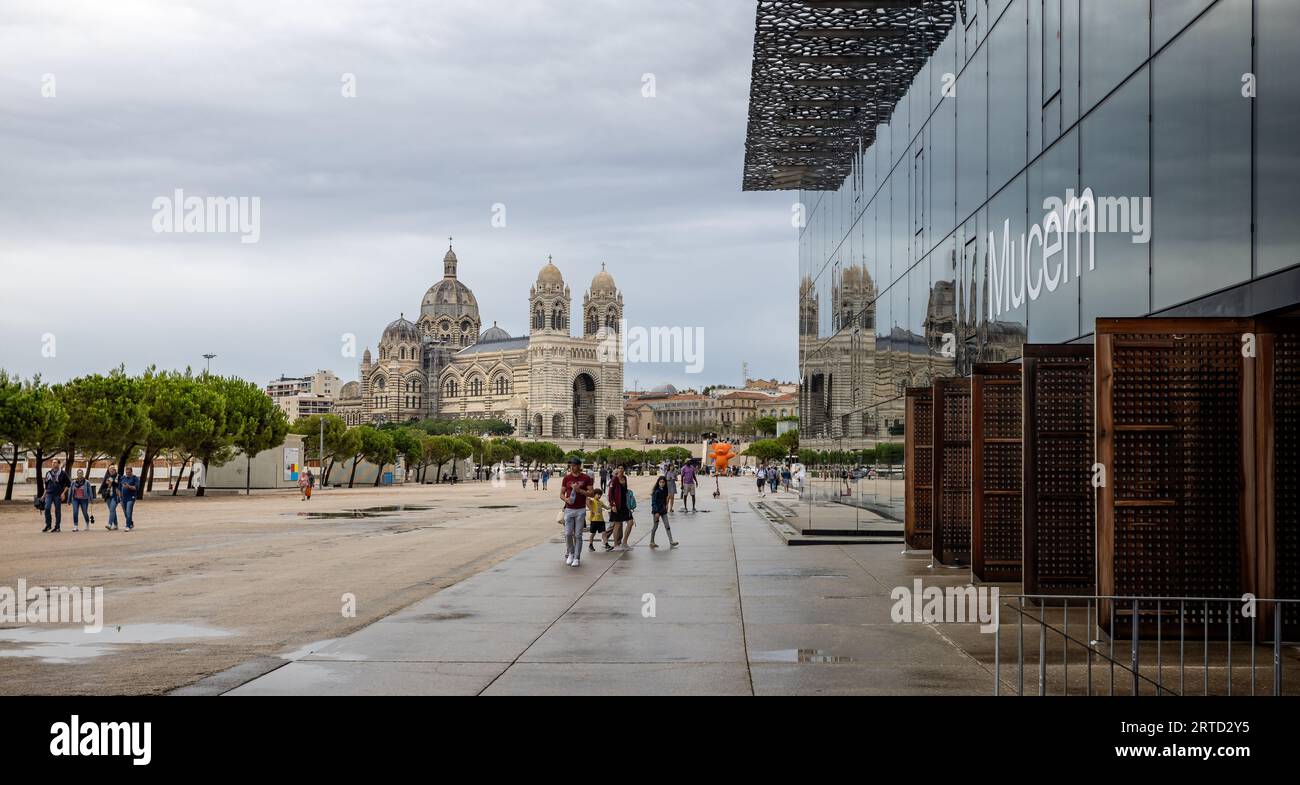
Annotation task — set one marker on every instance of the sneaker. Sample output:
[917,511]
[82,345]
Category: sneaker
[652,545]
[672,545]
[568,560]
[591,546]
[609,547]
[576,563]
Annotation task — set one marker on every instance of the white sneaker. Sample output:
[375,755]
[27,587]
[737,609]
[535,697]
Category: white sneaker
[576,563]
[568,559]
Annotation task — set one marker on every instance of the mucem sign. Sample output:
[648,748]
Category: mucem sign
[1020,272]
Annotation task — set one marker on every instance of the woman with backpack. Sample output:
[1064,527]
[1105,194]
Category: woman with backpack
[621,504]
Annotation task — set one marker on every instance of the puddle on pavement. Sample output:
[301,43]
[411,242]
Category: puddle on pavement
[57,645]
[498,506]
[364,512]
[801,656]
[800,572]
[435,616]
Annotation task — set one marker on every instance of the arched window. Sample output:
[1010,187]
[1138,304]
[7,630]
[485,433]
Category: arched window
[402,353]
[591,322]
[451,388]
[539,319]
[475,387]
[503,385]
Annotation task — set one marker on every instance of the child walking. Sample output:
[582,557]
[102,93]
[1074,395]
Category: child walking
[659,499]
[596,519]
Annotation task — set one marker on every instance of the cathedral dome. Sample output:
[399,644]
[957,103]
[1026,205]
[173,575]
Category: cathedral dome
[449,297]
[494,333]
[550,275]
[400,331]
[603,282]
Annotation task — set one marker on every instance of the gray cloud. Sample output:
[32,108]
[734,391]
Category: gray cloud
[460,106]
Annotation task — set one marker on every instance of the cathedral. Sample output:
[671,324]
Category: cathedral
[547,384]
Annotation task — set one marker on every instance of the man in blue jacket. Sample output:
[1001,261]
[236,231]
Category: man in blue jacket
[130,489]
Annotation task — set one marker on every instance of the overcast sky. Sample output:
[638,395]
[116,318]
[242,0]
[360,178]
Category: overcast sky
[460,105]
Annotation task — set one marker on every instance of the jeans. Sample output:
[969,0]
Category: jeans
[80,506]
[55,504]
[575,521]
[655,527]
[128,507]
[112,512]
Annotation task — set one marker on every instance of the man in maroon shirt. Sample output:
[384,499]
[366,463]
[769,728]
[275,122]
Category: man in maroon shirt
[575,489]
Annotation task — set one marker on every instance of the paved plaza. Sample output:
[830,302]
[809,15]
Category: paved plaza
[735,612]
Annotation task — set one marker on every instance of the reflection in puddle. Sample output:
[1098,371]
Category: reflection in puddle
[364,512]
[66,644]
[817,656]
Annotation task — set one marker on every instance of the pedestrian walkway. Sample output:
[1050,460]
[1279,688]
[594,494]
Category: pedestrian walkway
[732,611]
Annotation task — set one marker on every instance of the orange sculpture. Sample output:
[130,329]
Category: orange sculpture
[722,455]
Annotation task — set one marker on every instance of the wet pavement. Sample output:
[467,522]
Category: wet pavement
[733,610]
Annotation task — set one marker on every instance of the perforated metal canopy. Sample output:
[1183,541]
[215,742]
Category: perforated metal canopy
[826,73]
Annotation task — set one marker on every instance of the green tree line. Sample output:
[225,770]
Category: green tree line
[193,420]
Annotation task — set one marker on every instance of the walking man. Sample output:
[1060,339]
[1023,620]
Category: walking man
[575,489]
[130,488]
[688,485]
[56,482]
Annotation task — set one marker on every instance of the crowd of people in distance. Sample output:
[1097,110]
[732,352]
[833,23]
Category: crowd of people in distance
[771,477]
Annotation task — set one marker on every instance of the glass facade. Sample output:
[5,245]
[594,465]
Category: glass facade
[1056,161]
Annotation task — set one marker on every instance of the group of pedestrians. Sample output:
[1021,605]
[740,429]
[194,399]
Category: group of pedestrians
[770,478]
[539,477]
[80,492]
[610,509]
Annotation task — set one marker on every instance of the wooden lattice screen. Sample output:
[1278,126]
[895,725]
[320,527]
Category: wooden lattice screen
[950,474]
[1059,512]
[1174,425]
[995,472]
[918,516]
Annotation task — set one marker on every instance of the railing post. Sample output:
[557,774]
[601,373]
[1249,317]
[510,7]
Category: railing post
[1277,648]
[1020,648]
[997,649]
[1133,646]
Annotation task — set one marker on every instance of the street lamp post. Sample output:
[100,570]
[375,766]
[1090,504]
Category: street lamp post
[208,365]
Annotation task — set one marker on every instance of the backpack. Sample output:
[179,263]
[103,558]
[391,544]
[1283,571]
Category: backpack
[631,500]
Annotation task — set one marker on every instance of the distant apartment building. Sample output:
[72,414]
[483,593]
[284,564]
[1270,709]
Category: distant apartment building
[666,414]
[304,396]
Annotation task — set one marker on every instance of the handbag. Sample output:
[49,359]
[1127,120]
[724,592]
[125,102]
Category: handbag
[39,504]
